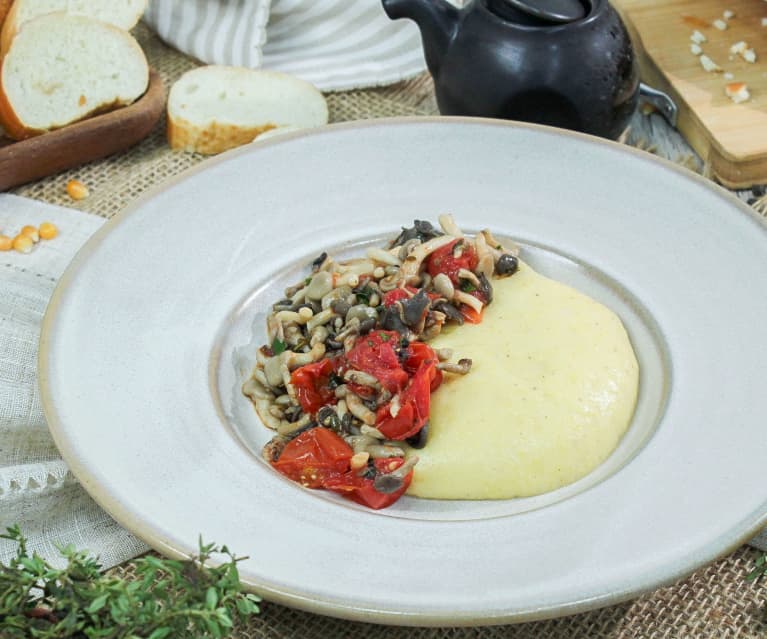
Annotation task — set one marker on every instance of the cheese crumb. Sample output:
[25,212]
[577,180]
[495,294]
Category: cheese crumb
[764,22]
[720,24]
[728,14]
[708,64]
[738,47]
[697,37]
[737,92]
[695,48]
[749,55]
[728,76]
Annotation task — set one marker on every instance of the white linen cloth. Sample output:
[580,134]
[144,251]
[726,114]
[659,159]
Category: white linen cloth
[37,490]
[334,44]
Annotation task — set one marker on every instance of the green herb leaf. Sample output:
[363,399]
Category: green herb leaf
[364,294]
[164,598]
[278,346]
[760,568]
[467,286]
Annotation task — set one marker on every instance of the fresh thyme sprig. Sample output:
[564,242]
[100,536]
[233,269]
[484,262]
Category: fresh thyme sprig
[760,568]
[166,598]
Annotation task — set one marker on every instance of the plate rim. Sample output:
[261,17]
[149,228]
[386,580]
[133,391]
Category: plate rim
[712,550]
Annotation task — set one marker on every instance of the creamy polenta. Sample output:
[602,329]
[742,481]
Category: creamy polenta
[551,391]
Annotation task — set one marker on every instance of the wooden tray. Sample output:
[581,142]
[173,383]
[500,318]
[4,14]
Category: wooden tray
[731,138]
[83,141]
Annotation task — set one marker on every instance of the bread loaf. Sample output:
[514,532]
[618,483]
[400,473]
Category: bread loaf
[61,68]
[215,108]
[121,13]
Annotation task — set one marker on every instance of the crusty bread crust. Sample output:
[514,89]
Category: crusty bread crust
[215,137]
[9,29]
[5,7]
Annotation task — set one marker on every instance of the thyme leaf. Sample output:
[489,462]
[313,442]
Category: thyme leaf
[166,597]
[278,346]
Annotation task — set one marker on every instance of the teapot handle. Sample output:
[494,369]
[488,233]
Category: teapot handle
[665,105]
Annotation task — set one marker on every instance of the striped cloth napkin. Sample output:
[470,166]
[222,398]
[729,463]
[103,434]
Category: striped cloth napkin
[334,44]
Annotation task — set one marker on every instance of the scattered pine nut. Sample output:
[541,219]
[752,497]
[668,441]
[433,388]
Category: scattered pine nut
[749,55]
[695,49]
[23,243]
[31,232]
[77,190]
[728,14]
[48,230]
[764,22]
[6,243]
[720,24]
[359,460]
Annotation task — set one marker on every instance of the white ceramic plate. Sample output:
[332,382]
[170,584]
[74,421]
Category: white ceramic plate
[144,340]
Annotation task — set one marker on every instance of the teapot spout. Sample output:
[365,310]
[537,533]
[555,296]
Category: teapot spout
[437,20]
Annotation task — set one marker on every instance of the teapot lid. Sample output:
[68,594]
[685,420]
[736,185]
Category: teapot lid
[548,11]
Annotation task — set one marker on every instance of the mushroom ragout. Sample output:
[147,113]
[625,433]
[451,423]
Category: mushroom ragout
[346,377]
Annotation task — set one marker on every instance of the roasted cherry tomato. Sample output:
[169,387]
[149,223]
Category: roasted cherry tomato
[406,293]
[312,385]
[417,353]
[414,403]
[444,261]
[375,354]
[362,489]
[470,315]
[314,456]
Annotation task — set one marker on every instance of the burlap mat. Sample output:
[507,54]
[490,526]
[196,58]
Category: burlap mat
[715,602]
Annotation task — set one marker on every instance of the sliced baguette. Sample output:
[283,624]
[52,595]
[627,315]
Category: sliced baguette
[215,108]
[121,13]
[62,68]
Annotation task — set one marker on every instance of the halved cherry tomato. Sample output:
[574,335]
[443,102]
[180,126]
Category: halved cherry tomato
[397,294]
[443,261]
[374,354]
[470,315]
[414,405]
[415,354]
[362,489]
[314,456]
[312,385]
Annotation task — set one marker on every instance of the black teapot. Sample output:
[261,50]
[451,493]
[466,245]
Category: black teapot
[565,63]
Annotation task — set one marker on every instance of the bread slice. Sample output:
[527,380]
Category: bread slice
[62,68]
[215,108]
[121,13]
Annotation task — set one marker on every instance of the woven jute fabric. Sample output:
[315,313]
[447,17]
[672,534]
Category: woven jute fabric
[118,180]
[716,601]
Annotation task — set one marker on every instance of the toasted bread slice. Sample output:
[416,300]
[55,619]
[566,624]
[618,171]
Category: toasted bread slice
[215,108]
[121,13]
[62,68]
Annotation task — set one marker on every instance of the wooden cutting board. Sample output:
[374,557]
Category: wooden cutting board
[731,138]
